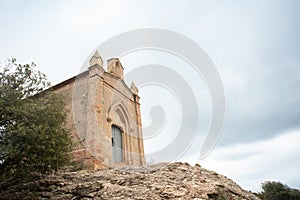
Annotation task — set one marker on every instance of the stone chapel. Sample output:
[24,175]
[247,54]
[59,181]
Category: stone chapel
[104,116]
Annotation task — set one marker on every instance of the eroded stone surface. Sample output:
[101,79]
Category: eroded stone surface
[158,181]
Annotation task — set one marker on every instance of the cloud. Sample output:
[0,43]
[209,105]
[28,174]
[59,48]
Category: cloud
[257,54]
[250,164]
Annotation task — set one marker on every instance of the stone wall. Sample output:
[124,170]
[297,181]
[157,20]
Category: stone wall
[96,100]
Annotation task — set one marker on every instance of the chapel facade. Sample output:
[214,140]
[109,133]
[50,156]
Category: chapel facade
[104,116]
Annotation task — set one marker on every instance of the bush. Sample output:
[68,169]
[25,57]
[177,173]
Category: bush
[33,136]
[277,191]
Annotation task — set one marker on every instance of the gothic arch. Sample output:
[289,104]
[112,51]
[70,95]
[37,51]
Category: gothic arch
[118,115]
[118,112]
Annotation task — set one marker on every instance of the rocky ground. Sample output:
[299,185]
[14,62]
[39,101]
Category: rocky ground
[157,181]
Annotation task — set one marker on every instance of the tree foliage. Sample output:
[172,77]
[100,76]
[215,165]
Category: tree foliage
[277,191]
[33,136]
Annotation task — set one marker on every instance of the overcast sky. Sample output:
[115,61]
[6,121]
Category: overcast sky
[255,46]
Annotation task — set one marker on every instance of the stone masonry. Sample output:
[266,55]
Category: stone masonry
[104,116]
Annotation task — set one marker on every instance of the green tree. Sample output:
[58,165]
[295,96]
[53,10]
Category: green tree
[33,135]
[272,190]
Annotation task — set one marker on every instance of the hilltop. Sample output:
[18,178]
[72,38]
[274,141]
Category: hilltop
[157,181]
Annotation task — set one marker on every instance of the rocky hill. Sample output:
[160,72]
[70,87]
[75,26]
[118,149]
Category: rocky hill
[157,181]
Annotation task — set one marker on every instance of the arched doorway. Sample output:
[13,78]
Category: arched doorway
[117,144]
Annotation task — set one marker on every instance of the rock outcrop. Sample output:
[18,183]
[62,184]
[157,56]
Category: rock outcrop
[157,181]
